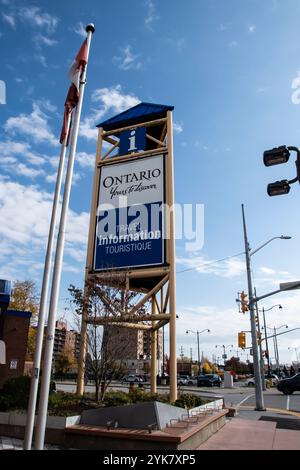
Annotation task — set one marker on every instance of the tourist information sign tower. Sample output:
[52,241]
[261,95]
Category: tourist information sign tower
[131,232]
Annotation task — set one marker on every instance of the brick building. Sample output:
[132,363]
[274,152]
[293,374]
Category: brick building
[65,338]
[133,347]
[14,334]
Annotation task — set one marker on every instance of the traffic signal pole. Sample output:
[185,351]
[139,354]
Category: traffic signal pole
[259,398]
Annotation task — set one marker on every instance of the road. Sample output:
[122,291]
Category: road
[243,396]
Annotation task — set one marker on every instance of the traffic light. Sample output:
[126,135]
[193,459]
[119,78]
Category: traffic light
[278,188]
[258,338]
[276,156]
[242,340]
[244,302]
[256,320]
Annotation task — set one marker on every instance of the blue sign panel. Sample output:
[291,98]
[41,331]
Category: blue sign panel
[129,221]
[133,140]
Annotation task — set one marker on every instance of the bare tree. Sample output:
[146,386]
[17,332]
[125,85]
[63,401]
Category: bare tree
[107,345]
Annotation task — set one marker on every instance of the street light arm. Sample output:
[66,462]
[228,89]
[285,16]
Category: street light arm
[268,309]
[191,331]
[266,243]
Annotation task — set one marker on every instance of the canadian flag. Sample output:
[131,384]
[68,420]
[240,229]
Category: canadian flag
[75,74]
[78,65]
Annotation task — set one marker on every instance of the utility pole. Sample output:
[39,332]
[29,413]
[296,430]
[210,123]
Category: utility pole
[260,346]
[276,350]
[266,340]
[259,398]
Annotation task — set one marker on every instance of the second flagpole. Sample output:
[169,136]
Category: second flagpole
[43,302]
[49,340]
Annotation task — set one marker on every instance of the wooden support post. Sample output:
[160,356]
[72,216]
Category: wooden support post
[83,331]
[153,349]
[171,256]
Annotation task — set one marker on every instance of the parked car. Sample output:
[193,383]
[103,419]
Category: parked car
[289,385]
[192,381]
[273,377]
[209,380]
[182,380]
[132,378]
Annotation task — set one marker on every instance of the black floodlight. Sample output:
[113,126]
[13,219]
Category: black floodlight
[276,156]
[278,188]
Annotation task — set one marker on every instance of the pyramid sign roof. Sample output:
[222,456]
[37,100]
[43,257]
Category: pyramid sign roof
[135,115]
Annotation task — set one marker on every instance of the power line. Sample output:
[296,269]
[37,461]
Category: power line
[210,262]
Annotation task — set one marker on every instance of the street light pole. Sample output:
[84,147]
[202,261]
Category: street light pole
[259,398]
[198,345]
[198,333]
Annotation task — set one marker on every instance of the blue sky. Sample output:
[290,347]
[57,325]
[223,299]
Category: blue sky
[231,69]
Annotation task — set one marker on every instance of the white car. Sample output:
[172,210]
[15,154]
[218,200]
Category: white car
[182,381]
[131,378]
[274,379]
[192,381]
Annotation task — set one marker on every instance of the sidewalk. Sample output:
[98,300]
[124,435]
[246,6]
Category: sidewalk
[10,443]
[252,430]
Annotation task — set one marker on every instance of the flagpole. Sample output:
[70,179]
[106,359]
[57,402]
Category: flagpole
[49,340]
[43,301]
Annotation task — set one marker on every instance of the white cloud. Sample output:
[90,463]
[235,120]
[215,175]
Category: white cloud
[24,224]
[225,322]
[85,160]
[151,15]
[232,44]
[80,29]
[41,40]
[24,170]
[41,59]
[251,28]
[296,86]
[9,19]
[128,60]
[35,17]
[34,125]
[111,99]
[21,149]
[177,127]
[262,89]
[268,271]
[228,268]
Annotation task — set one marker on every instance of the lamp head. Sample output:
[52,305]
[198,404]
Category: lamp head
[285,237]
